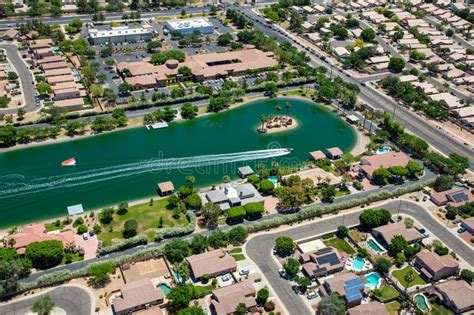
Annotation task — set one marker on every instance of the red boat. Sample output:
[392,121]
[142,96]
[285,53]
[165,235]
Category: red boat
[69,162]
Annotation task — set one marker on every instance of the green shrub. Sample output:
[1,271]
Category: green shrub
[266,186]
[127,243]
[254,210]
[235,214]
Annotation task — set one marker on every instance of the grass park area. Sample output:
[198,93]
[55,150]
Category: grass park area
[237,254]
[340,244]
[148,218]
[400,276]
[387,292]
[393,308]
[439,309]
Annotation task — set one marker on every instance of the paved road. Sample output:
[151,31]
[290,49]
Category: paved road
[74,300]
[410,120]
[26,79]
[7,23]
[259,248]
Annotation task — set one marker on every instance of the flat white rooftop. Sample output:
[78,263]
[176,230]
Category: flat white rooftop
[190,23]
[118,31]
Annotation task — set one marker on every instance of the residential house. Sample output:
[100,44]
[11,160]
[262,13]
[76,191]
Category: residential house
[348,285]
[457,295]
[231,195]
[137,295]
[454,197]
[371,308]
[245,171]
[450,101]
[37,233]
[468,224]
[385,233]
[71,104]
[321,262]
[226,299]
[211,263]
[368,164]
[10,34]
[433,267]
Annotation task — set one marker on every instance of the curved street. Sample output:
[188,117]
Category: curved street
[259,248]
[27,87]
[73,299]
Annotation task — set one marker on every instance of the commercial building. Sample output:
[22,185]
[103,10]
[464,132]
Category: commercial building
[122,34]
[203,67]
[187,27]
[433,267]
[211,263]
[137,295]
[385,233]
[225,300]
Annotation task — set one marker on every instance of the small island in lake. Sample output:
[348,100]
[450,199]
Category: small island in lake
[274,124]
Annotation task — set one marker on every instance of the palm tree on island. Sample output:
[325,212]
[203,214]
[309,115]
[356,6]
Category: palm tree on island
[287,106]
[263,120]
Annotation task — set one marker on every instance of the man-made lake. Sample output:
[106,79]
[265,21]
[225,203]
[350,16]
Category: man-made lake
[127,164]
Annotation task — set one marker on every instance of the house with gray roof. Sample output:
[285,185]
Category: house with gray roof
[231,195]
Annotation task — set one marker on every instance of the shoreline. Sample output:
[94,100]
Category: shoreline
[245,101]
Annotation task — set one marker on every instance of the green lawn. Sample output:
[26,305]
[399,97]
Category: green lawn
[236,250]
[238,257]
[388,292]
[340,244]
[53,226]
[148,218]
[393,308]
[438,309]
[202,291]
[400,276]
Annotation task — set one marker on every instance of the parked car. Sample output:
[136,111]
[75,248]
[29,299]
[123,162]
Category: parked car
[85,236]
[225,276]
[296,288]
[461,230]
[312,295]
[244,271]
[425,197]
[282,273]
[424,233]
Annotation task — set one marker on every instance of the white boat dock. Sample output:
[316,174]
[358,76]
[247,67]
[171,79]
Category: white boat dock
[157,125]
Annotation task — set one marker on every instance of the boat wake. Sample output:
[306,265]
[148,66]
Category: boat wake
[21,185]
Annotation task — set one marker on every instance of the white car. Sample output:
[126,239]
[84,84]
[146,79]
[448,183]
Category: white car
[312,295]
[85,236]
[244,271]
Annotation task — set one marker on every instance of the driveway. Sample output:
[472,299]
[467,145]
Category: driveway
[71,299]
[259,248]
[89,246]
[26,79]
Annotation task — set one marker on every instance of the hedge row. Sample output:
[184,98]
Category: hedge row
[126,243]
[321,209]
[178,231]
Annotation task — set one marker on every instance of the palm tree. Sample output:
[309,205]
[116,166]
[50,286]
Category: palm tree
[263,120]
[11,242]
[278,108]
[409,278]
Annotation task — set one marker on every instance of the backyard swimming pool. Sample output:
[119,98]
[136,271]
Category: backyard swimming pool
[420,301]
[358,263]
[374,246]
[384,149]
[165,288]
[274,180]
[373,280]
